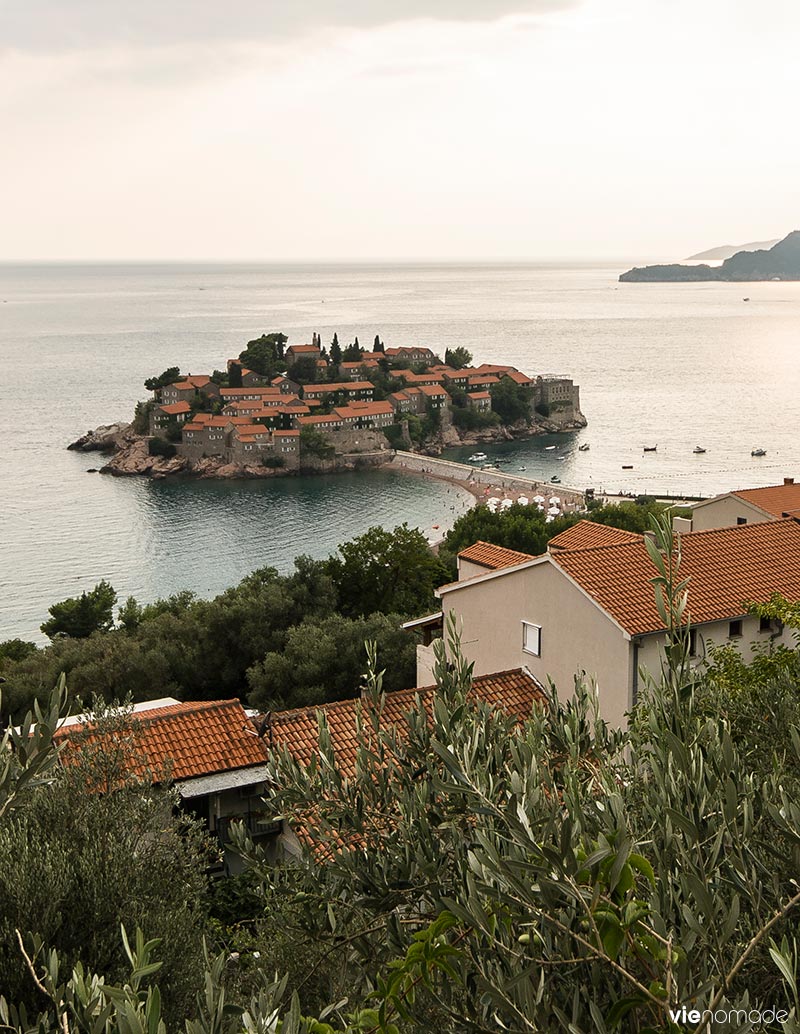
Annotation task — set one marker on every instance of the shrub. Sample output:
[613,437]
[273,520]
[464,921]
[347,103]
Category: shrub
[161,447]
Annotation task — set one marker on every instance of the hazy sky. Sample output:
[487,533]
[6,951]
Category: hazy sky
[353,129]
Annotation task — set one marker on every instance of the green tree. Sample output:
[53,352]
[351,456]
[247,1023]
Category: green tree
[235,375]
[458,358]
[511,401]
[304,369]
[167,377]
[377,345]
[16,650]
[353,353]
[387,572]
[314,442]
[89,850]
[336,351]
[265,355]
[325,659]
[80,616]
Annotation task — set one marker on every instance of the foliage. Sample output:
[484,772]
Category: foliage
[325,660]
[161,447]
[631,516]
[265,355]
[15,650]
[274,461]
[377,344]
[304,369]
[457,358]
[353,352]
[314,443]
[222,379]
[80,616]
[471,419]
[141,417]
[394,435]
[387,572]
[523,528]
[167,377]
[510,401]
[336,350]
[90,843]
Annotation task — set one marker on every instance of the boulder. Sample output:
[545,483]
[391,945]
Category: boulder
[103,438]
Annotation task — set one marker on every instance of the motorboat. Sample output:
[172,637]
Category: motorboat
[627,466]
[549,448]
[759,452]
[478,457]
[584,447]
[555,479]
[698,450]
[522,468]
[649,448]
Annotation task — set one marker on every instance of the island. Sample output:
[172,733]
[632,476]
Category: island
[281,409]
[780,262]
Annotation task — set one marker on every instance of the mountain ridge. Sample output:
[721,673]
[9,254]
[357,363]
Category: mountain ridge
[780,262]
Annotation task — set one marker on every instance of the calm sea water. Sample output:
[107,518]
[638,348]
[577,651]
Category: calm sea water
[666,365]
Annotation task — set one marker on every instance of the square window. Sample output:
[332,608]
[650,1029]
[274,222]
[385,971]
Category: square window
[735,630]
[532,638]
[741,520]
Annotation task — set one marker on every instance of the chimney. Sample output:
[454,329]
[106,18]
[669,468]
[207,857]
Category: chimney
[788,481]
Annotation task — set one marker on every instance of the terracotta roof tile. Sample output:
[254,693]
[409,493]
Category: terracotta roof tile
[191,739]
[726,567]
[587,534]
[494,557]
[777,499]
[514,691]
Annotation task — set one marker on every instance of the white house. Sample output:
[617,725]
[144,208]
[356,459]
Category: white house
[590,608]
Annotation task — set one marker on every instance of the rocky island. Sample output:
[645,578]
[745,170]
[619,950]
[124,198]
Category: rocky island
[282,409]
[780,262]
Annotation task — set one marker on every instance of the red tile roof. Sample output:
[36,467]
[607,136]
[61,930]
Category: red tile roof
[726,567]
[189,739]
[303,349]
[514,691]
[485,554]
[176,407]
[285,434]
[587,534]
[340,386]
[433,391]
[777,499]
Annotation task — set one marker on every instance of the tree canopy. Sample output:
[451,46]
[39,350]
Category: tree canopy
[167,377]
[80,616]
[458,358]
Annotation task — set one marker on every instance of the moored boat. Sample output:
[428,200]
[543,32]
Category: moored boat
[758,452]
[698,449]
[478,457]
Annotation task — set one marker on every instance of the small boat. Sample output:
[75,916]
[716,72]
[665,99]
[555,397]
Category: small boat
[522,468]
[477,457]
[758,452]
[745,299]
[555,480]
[649,448]
[698,449]
[549,448]
[627,466]
[584,447]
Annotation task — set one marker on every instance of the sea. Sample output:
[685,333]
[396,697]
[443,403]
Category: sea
[673,366]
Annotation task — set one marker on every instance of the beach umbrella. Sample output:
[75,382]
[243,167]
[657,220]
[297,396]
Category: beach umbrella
[554,511]
[538,498]
[548,519]
[506,504]
[540,508]
[554,500]
[523,500]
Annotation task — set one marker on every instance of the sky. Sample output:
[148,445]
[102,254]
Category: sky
[258,130]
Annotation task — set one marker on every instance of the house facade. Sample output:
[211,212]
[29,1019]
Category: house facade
[748,506]
[591,609]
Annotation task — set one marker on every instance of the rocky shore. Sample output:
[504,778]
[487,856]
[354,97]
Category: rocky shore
[451,438]
[131,452]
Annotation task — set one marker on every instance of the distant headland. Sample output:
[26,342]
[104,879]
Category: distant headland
[780,262]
